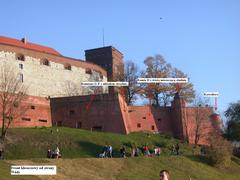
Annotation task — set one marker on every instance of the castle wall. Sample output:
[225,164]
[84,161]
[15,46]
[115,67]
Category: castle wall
[53,80]
[198,118]
[103,113]
[34,111]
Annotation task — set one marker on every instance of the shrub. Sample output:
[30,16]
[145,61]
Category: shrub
[219,152]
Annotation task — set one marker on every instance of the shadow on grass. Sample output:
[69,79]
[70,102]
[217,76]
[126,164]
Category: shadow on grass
[198,158]
[90,149]
[93,150]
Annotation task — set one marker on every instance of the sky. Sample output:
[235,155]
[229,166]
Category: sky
[201,37]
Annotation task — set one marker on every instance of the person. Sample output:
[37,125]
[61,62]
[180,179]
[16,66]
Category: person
[49,153]
[57,152]
[1,154]
[110,151]
[177,148]
[105,151]
[157,151]
[164,175]
[123,152]
[173,150]
[146,151]
[137,152]
[133,151]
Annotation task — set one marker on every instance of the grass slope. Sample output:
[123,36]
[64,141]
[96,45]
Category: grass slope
[28,146]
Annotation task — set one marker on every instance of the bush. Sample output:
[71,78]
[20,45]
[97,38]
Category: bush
[219,152]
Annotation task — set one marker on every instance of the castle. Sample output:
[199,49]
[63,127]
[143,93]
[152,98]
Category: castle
[55,97]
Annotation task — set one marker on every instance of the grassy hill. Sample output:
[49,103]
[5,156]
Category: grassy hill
[79,147]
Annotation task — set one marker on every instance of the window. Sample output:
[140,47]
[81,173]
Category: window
[20,57]
[26,119]
[42,120]
[67,67]
[153,127]
[45,62]
[79,124]
[21,66]
[139,125]
[59,123]
[159,119]
[20,77]
[32,107]
[71,112]
[144,117]
[88,71]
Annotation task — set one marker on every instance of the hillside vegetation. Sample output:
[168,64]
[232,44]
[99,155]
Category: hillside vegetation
[80,148]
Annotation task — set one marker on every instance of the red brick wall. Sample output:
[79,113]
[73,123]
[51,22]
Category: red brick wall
[41,112]
[104,111]
[206,125]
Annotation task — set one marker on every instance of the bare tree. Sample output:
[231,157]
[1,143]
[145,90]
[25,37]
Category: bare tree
[72,89]
[12,95]
[201,119]
[131,74]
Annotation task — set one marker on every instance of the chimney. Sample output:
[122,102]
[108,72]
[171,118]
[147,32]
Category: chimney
[24,40]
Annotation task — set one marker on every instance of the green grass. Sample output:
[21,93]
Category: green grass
[79,147]
[75,143]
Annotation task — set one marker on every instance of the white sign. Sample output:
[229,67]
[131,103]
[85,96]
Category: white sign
[211,94]
[162,80]
[33,170]
[104,83]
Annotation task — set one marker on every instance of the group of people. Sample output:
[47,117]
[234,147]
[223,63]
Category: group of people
[135,151]
[106,152]
[54,153]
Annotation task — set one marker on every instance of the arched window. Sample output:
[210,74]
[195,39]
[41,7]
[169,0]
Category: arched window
[88,71]
[45,62]
[67,67]
[20,57]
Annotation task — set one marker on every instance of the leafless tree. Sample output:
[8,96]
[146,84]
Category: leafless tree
[12,96]
[72,89]
[201,119]
[131,74]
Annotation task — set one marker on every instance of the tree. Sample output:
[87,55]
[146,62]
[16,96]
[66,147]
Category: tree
[200,118]
[163,93]
[72,89]
[187,91]
[12,95]
[233,123]
[131,74]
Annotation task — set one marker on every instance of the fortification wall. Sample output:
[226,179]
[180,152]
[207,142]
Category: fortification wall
[92,112]
[34,111]
[53,80]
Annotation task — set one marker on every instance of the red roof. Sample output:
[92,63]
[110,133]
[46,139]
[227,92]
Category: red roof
[27,45]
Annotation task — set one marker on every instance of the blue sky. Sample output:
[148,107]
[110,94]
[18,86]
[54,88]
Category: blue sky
[199,37]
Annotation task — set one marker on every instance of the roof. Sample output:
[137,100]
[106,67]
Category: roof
[105,47]
[27,45]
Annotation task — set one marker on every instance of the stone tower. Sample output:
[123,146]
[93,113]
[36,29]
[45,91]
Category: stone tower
[110,59]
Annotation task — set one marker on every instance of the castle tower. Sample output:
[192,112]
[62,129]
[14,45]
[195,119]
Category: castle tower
[178,116]
[110,59]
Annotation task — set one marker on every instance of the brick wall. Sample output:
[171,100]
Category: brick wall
[36,113]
